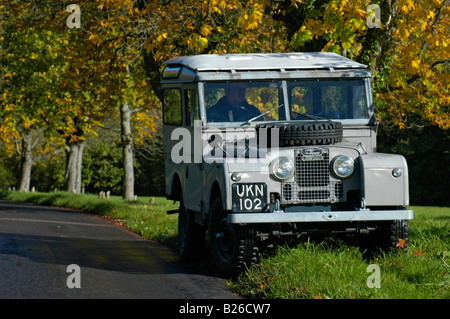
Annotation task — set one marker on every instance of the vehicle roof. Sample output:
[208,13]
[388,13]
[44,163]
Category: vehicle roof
[265,61]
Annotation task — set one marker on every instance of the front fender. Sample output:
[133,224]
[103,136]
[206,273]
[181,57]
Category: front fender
[378,185]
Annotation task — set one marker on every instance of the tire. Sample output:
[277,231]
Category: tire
[233,247]
[394,235]
[305,133]
[191,236]
[389,236]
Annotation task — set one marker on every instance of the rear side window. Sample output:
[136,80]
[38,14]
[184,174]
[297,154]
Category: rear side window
[172,106]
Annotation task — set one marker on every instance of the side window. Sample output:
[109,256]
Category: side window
[190,96]
[172,106]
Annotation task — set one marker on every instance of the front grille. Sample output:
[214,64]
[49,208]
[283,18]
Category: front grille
[312,179]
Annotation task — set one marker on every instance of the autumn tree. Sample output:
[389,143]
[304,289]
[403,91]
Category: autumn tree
[29,63]
[419,79]
[94,72]
[79,102]
[407,53]
[105,77]
[122,36]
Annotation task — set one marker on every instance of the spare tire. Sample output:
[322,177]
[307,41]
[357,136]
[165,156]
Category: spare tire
[303,133]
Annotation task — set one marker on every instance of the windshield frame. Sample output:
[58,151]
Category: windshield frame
[369,120]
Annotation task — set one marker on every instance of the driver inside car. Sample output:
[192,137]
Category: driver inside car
[233,107]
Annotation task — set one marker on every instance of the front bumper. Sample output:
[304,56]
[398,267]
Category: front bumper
[299,217]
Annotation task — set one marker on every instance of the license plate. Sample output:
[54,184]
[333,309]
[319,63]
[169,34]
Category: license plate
[249,197]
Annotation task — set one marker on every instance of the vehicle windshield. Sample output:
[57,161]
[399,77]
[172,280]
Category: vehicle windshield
[307,100]
[345,99]
[242,101]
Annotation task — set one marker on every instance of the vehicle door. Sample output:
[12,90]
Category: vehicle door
[193,169]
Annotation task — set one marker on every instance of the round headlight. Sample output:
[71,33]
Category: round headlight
[343,166]
[283,168]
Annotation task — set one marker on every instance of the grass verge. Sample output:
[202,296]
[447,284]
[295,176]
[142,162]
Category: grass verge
[308,270]
[336,270]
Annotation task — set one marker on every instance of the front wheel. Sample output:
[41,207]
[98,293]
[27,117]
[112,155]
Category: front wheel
[395,235]
[389,236]
[233,247]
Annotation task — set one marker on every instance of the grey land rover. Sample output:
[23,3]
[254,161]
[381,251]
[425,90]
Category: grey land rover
[261,146]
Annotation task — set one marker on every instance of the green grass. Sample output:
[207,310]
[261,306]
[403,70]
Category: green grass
[337,270]
[308,270]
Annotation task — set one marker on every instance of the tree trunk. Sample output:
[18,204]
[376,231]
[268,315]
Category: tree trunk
[74,163]
[71,167]
[127,150]
[26,162]
[79,167]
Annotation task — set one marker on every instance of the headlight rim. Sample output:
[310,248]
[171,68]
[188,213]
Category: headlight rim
[275,164]
[335,170]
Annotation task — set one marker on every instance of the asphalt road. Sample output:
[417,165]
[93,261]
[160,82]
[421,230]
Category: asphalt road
[38,244]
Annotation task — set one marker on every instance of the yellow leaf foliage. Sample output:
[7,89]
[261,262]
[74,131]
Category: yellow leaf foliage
[421,81]
[418,79]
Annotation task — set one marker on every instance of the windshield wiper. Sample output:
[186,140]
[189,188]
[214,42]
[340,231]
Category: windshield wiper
[312,117]
[260,115]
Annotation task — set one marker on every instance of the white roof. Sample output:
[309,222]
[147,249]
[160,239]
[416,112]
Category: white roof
[265,61]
